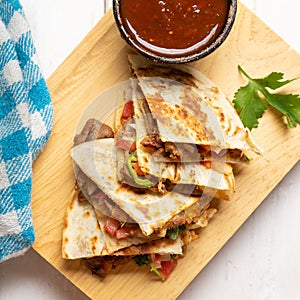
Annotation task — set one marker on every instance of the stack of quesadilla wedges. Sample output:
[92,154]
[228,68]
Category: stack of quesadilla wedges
[145,189]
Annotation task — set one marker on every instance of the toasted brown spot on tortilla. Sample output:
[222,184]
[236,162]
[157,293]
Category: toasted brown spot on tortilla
[222,117]
[158,106]
[158,97]
[215,90]
[73,201]
[94,238]
[144,210]
[236,131]
[94,241]
[86,214]
[66,223]
[132,199]
[182,112]
[191,101]
[229,126]
[120,189]
[210,134]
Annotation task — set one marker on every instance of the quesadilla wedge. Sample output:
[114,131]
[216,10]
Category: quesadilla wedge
[134,160]
[82,233]
[84,239]
[84,236]
[150,210]
[180,105]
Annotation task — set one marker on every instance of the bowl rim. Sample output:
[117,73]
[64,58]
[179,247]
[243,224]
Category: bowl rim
[232,11]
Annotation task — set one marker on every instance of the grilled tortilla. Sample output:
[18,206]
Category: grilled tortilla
[85,237]
[216,174]
[180,105]
[150,210]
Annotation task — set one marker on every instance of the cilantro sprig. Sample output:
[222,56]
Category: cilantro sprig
[252,100]
[144,259]
[173,233]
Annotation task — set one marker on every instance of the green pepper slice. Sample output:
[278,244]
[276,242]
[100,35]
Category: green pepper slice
[136,178]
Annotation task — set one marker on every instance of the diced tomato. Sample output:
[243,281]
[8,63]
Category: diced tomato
[128,231]
[167,267]
[156,260]
[124,232]
[133,146]
[111,226]
[127,110]
[126,145]
[137,169]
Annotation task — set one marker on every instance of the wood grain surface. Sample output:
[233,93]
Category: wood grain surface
[98,63]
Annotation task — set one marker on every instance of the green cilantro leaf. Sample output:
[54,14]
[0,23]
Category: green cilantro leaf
[251,101]
[250,105]
[289,105]
[272,81]
[172,233]
[142,259]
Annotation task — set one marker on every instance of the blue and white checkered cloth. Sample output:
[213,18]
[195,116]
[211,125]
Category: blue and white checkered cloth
[26,115]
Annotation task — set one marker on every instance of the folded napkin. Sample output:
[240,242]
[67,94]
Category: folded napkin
[26,115]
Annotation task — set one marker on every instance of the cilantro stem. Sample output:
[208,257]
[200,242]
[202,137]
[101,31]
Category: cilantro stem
[257,86]
[154,269]
[243,72]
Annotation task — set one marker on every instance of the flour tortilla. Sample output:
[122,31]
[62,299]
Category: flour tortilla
[84,236]
[112,245]
[151,211]
[218,175]
[189,109]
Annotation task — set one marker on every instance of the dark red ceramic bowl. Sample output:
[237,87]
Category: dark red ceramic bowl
[148,18]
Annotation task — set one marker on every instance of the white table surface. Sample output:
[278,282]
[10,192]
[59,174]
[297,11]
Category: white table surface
[260,262]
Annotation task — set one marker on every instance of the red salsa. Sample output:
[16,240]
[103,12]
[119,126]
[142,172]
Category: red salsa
[174,28]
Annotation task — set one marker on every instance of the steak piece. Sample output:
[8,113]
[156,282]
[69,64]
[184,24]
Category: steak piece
[93,130]
[102,265]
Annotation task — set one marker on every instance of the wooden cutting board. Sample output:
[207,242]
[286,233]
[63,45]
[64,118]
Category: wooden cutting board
[100,62]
